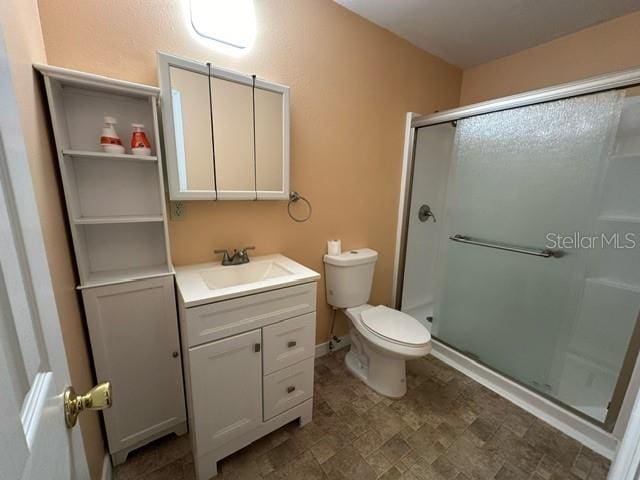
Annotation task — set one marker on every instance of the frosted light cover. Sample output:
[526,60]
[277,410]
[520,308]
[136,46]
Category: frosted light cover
[232,22]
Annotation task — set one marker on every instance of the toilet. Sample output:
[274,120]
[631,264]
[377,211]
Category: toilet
[382,339]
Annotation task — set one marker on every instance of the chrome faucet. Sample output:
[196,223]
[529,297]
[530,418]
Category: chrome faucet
[235,258]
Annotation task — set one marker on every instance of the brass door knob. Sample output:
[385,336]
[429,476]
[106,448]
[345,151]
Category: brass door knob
[98,398]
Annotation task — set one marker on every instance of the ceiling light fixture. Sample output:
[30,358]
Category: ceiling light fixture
[228,22]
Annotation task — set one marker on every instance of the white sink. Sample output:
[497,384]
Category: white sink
[233,275]
[212,282]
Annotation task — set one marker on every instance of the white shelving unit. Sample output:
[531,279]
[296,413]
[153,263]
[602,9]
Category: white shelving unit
[115,202]
[117,217]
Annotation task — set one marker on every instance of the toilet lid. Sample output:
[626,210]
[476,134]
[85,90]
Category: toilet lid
[395,326]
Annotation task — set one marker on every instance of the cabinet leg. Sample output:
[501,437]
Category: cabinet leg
[307,415]
[119,458]
[181,429]
[206,468]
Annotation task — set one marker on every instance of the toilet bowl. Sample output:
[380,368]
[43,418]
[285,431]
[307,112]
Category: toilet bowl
[382,339]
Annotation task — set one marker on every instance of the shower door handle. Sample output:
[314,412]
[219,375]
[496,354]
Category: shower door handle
[546,252]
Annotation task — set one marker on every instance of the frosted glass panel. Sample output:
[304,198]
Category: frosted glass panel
[528,171]
[520,176]
[620,197]
[504,309]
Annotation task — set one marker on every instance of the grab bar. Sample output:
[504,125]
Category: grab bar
[546,253]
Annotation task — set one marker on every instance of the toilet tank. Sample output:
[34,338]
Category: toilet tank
[348,277]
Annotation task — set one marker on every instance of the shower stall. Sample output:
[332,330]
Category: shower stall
[520,238]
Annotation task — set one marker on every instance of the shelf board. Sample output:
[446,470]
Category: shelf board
[607,282]
[110,156]
[112,277]
[618,218]
[97,82]
[118,219]
[625,157]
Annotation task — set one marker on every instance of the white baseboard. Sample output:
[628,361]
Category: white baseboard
[107,471]
[576,427]
[323,348]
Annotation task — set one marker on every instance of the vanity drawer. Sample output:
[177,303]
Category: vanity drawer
[222,319]
[288,342]
[287,388]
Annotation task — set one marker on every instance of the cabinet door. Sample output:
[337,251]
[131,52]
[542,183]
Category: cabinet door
[226,389]
[135,343]
[271,142]
[232,105]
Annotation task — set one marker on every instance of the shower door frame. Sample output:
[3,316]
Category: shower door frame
[630,371]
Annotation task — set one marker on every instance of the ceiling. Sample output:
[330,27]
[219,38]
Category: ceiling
[470,32]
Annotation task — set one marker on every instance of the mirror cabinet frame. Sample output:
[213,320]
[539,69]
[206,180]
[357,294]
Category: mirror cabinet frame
[165,62]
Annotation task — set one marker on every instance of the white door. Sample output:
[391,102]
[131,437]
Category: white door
[34,440]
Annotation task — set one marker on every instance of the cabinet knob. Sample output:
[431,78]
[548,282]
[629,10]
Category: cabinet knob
[291,344]
[290,389]
[175,354]
[256,347]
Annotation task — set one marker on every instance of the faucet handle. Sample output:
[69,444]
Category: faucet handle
[243,256]
[225,255]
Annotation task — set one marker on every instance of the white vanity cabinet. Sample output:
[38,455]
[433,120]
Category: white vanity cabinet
[248,364]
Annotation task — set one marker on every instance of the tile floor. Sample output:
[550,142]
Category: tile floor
[446,427]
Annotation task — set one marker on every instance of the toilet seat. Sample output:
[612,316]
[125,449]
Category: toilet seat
[388,343]
[395,326]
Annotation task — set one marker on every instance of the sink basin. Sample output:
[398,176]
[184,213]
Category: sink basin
[233,275]
[211,282]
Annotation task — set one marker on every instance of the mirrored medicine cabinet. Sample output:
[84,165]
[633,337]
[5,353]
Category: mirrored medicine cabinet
[226,134]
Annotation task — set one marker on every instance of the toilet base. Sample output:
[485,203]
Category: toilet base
[382,372]
[355,367]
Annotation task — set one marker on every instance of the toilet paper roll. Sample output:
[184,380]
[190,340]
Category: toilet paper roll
[334,247]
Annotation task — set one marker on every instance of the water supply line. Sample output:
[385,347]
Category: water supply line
[333,339]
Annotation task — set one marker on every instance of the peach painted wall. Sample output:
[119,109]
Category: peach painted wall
[603,48]
[351,85]
[23,38]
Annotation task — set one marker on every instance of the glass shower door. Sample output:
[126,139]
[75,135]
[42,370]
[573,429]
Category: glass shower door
[521,177]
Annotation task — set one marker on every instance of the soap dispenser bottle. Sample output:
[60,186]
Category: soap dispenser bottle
[139,142]
[109,139]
